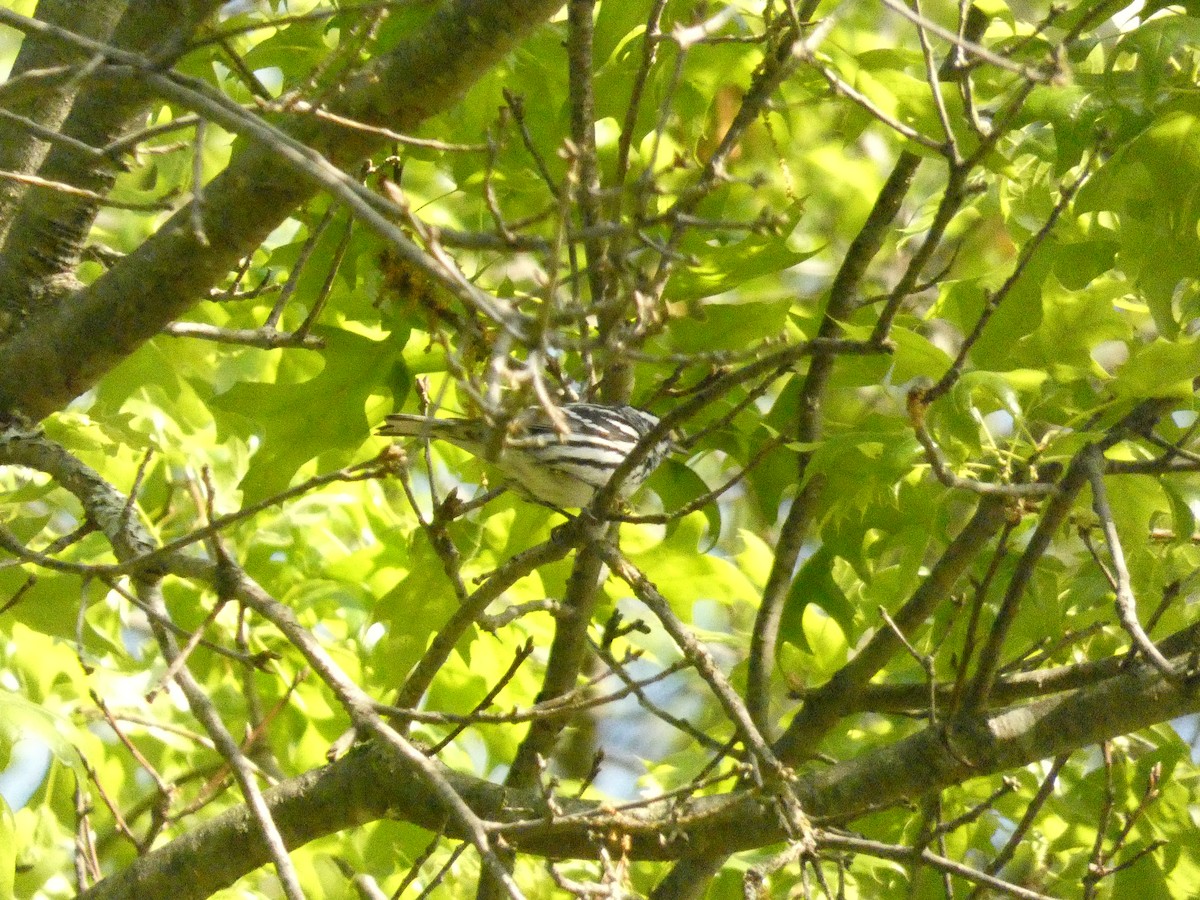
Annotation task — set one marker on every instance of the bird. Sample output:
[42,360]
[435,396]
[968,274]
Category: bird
[562,467]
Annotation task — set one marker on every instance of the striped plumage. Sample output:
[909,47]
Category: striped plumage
[561,469]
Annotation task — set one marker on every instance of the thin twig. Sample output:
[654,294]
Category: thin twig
[523,653]
[935,87]
[917,404]
[1126,602]
[244,771]
[379,467]
[992,303]
[318,304]
[102,199]
[1032,810]
[637,688]
[927,857]
[263,338]
[1030,74]
[164,787]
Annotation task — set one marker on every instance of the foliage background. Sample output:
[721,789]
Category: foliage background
[936,322]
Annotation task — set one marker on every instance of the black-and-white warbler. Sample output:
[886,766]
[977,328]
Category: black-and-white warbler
[561,468]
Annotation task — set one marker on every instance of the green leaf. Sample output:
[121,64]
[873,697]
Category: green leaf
[1073,324]
[722,269]
[693,576]
[20,719]
[1020,312]
[826,639]
[1160,369]
[1142,879]
[1069,113]
[814,583]
[297,48]
[677,485]
[861,468]
[1154,182]
[975,389]
[49,607]
[1135,505]
[327,413]
[1183,518]
[1076,265]
[916,356]
[731,326]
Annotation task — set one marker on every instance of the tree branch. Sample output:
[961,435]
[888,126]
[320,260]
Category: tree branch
[568,652]
[1093,461]
[49,228]
[21,149]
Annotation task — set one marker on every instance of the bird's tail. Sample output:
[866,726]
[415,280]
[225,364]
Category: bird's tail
[469,434]
[405,425]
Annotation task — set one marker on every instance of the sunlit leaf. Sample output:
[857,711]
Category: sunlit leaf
[334,402]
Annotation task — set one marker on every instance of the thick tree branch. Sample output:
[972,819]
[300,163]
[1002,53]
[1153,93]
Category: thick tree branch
[49,227]
[583,135]
[21,149]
